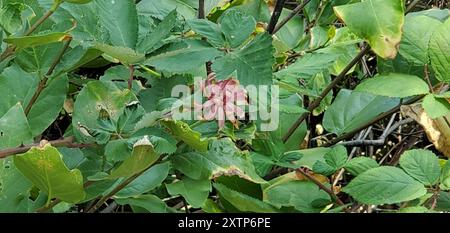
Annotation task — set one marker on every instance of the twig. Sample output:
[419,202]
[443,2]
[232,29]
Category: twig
[380,141]
[325,92]
[43,82]
[130,80]
[293,13]
[321,186]
[275,16]
[373,121]
[201,9]
[114,191]
[412,5]
[64,142]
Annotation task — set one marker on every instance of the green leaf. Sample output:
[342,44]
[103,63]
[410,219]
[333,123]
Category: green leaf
[422,165]
[208,29]
[194,191]
[384,185]
[236,27]
[252,64]
[439,51]
[352,109]
[435,107]
[445,177]
[97,95]
[14,128]
[189,55]
[308,65]
[125,55]
[222,159]
[121,21]
[146,182]
[183,132]
[243,202]
[44,167]
[394,85]
[413,209]
[359,165]
[11,16]
[379,22]
[417,32]
[149,202]
[149,42]
[301,195]
[14,189]
[335,159]
[37,40]
[142,157]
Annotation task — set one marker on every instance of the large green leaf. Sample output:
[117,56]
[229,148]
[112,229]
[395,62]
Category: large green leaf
[14,189]
[194,191]
[359,165]
[236,27]
[149,42]
[188,55]
[417,33]
[439,51]
[243,202]
[18,86]
[125,55]
[352,109]
[142,157]
[183,132]
[146,182]
[435,107]
[384,185]
[304,196]
[308,65]
[44,167]
[252,64]
[37,40]
[423,165]
[11,16]
[208,29]
[121,21]
[394,85]
[222,159]
[444,178]
[335,159]
[97,95]
[14,128]
[380,22]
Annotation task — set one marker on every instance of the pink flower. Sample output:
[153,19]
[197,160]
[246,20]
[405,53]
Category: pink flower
[223,100]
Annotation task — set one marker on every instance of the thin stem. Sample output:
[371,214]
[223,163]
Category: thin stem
[290,16]
[130,80]
[43,82]
[325,92]
[114,191]
[275,16]
[201,9]
[321,186]
[64,142]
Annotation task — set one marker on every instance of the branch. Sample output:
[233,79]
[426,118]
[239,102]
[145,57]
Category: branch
[43,82]
[275,16]
[64,142]
[380,141]
[325,92]
[375,120]
[201,9]
[130,80]
[290,16]
[321,186]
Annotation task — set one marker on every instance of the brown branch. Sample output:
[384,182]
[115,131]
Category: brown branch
[201,9]
[64,142]
[43,82]
[290,16]
[325,92]
[321,186]
[373,121]
[130,80]
[275,16]
[122,185]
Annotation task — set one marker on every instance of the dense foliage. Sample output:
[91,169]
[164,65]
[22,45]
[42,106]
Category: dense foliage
[87,120]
